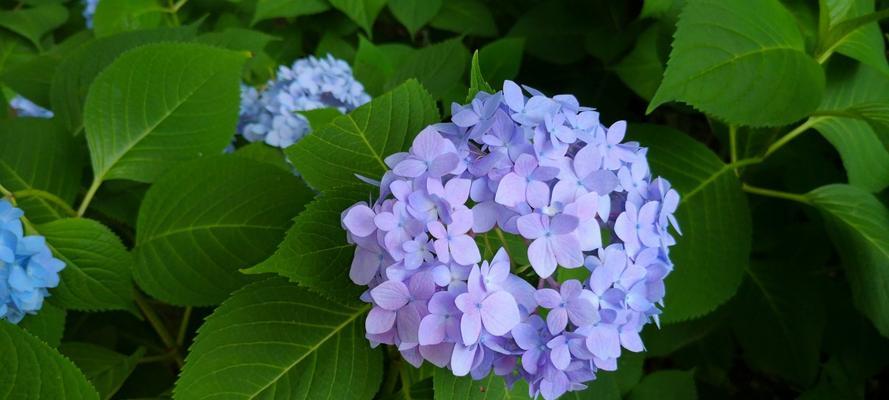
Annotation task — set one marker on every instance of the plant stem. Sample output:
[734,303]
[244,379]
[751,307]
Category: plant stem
[791,135]
[55,200]
[158,326]
[89,196]
[6,193]
[183,326]
[393,374]
[775,193]
[157,358]
[733,145]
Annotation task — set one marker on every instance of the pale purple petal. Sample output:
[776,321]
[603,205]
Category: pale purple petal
[512,95]
[462,359]
[379,320]
[557,320]
[511,190]
[432,329]
[548,298]
[542,258]
[470,328]
[530,226]
[499,313]
[604,342]
[391,295]
[464,250]
[410,168]
[359,220]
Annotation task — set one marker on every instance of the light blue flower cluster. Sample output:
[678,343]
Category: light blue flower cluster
[26,108]
[89,10]
[270,115]
[541,168]
[27,267]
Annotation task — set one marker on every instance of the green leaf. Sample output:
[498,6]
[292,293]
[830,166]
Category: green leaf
[749,68]
[666,385]
[670,338]
[449,387]
[274,339]
[266,9]
[320,117]
[859,227]
[554,31]
[107,370]
[238,39]
[315,253]
[48,324]
[77,71]
[604,387]
[333,44]
[137,129]
[120,16]
[39,157]
[97,265]
[357,143]
[643,67]
[855,103]
[204,220]
[372,67]
[439,67]
[778,321]
[35,22]
[33,78]
[32,369]
[260,151]
[501,59]
[853,31]
[467,17]
[414,14]
[714,218]
[363,12]
[477,82]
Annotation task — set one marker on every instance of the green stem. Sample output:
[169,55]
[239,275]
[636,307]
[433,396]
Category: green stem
[158,326]
[183,326]
[733,145]
[89,196]
[6,193]
[55,200]
[158,358]
[393,374]
[791,135]
[775,193]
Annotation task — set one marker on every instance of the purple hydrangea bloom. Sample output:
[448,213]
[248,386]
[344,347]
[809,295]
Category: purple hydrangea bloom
[271,115]
[544,169]
[26,108]
[27,267]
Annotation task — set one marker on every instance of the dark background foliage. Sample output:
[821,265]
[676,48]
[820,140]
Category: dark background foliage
[780,291]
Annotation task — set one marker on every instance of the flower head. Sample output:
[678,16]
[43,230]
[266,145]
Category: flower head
[547,171]
[27,267]
[270,115]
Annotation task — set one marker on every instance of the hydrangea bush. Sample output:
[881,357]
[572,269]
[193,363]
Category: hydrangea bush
[260,199]
[547,170]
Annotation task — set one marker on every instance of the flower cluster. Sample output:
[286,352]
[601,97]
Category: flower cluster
[26,108]
[544,169]
[27,267]
[89,10]
[271,115]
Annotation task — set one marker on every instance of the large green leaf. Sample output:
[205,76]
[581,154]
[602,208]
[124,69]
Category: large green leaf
[97,266]
[33,78]
[413,14]
[106,370]
[33,370]
[205,219]
[449,387]
[276,340]
[77,71]
[48,324]
[742,61]
[643,67]
[35,22]
[554,30]
[372,67]
[501,59]
[358,143]
[439,67]
[855,105]
[666,385]
[713,251]
[266,9]
[859,227]
[865,43]
[39,157]
[184,105]
[468,17]
[315,253]
[363,12]
[778,320]
[120,16]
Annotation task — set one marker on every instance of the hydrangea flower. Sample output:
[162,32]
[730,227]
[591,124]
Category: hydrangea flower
[89,10]
[544,169]
[26,108]
[27,267]
[270,115]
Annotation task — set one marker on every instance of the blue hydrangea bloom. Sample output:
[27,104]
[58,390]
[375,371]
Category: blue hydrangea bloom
[89,9]
[27,267]
[270,115]
[26,108]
